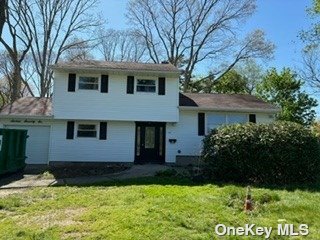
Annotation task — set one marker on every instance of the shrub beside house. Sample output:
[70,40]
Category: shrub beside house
[276,153]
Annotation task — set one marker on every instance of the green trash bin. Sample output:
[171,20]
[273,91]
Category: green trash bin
[12,150]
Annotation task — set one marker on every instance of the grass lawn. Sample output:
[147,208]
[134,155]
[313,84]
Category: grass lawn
[150,208]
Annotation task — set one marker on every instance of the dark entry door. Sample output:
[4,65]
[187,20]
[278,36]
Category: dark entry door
[150,142]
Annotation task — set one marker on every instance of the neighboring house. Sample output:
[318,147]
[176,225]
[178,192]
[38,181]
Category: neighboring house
[124,112]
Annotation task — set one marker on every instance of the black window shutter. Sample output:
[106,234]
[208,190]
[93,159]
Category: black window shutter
[70,130]
[252,118]
[201,127]
[130,85]
[72,82]
[162,86]
[103,131]
[104,83]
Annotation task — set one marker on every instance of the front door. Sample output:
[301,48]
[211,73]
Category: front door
[150,142]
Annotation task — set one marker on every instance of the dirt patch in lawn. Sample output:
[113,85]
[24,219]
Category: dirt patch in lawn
[60,172]
[63,217]
[75,235]
[7,192]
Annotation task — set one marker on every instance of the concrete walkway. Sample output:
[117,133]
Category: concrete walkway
[28,181]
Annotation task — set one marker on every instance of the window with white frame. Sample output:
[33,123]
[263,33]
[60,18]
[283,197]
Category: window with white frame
[88,83]
[215,120]
[144,85]
[237,118]
[87,131]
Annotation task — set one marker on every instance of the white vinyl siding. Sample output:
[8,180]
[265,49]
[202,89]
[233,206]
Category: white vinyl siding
[186,130]
[117,105]
[118,148]
[121,139]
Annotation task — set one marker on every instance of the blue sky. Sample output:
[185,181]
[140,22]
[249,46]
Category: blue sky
[281,20]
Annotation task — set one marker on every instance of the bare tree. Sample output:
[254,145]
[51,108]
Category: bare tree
[187,32]
[3,6]
[8,84]
[122,45]
[310,72]
[254,46]
[80,51]
[4,90]
[17,48]
[311,62]
[51,26]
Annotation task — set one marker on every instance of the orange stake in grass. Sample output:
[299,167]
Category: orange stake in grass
[248,205]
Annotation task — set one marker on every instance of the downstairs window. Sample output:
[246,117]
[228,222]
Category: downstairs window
[87,131]
[216,120]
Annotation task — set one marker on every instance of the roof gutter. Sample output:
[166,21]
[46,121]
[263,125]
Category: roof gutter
[115,70]
[7,116]
[241,110]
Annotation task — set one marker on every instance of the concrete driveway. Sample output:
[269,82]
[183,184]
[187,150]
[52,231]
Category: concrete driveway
[22,180]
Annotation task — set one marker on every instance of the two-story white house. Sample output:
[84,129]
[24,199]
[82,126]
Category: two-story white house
[124,112]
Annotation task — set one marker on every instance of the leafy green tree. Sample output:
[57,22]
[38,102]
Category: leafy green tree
[243,78]
[231,82]
[316,4]
[284,90]
[203,85]
[252,72]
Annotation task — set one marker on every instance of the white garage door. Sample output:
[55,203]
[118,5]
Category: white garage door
[37,148]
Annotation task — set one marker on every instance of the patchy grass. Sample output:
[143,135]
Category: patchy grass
[46,175]
[150,208]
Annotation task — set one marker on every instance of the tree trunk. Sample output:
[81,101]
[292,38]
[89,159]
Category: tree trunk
[16,82]
[186,82]
[3,5]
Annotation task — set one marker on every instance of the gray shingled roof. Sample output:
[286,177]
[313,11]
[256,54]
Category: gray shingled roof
[29,106]
[224,102]
[117,66]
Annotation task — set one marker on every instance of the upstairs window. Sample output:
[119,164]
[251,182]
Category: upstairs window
[87,131]
[89,83]
[146,85]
